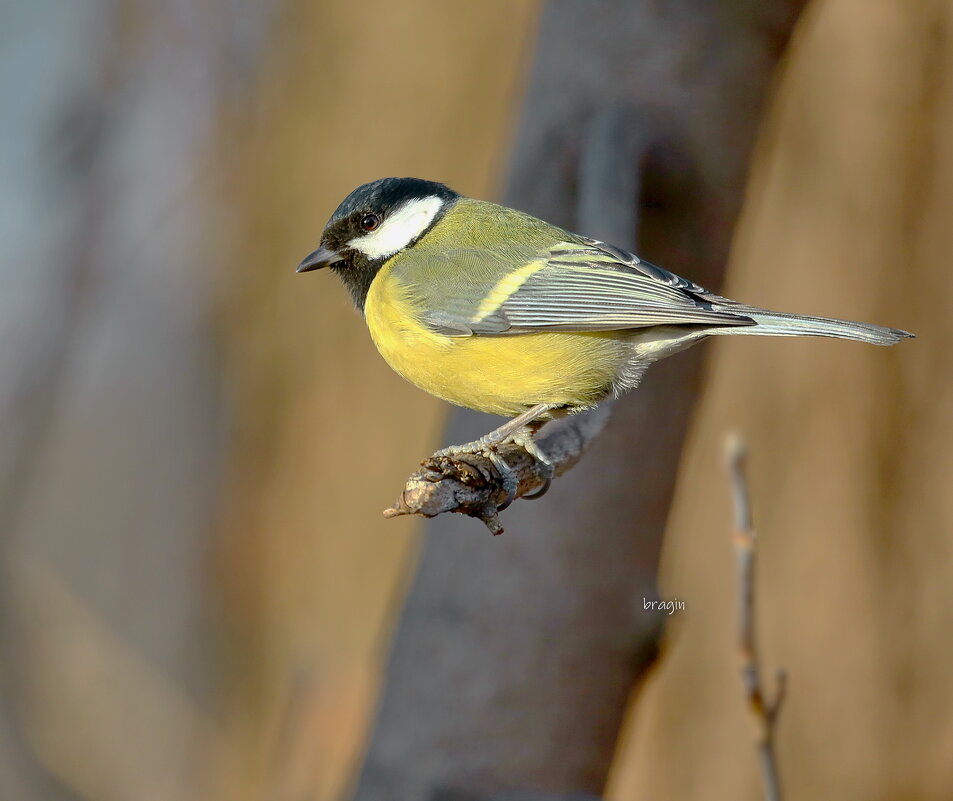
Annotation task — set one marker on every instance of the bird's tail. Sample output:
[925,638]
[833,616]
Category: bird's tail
[781,324]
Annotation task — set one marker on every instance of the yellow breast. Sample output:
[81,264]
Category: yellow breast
[500,375]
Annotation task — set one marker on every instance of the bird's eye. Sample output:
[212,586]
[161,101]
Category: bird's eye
[370,221]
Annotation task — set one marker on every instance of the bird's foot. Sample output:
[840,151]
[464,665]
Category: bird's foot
[524,438]
[488,447]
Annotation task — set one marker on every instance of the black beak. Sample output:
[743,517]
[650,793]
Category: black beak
[321,257]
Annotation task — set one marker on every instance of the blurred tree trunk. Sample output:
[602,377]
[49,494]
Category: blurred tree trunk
[515,657]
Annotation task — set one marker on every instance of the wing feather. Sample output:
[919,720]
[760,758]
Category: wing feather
[574,286]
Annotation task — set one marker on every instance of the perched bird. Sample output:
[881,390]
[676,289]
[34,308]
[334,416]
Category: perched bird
[492,309]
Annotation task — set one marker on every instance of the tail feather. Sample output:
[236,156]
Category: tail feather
[781,324]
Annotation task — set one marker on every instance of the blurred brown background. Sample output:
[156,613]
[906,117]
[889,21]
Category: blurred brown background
[198,591]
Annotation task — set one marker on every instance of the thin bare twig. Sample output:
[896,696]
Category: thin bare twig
[471,485]
[763,712]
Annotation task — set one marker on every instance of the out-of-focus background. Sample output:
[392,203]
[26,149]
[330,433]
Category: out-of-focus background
[198,588]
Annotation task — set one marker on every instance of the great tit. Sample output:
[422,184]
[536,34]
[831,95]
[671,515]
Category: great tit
[492,309]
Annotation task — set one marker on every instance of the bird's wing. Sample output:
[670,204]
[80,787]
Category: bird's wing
[574,286]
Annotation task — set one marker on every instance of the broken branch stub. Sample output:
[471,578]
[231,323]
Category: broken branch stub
[469,483]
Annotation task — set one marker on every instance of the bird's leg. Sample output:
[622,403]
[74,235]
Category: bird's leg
[520,431]
[499,435]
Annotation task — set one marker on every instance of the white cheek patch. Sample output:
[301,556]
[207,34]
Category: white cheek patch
[399,229]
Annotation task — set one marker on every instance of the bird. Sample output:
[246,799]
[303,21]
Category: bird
[493,309]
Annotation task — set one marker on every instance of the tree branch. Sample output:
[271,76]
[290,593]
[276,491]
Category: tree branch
[763,712]
[471,485]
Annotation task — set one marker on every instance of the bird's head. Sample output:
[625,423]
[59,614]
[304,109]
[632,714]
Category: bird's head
[372,224]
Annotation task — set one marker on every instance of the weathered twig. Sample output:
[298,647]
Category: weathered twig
[764,712]
[471,485]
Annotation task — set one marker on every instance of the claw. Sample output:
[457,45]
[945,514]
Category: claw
[541,491]
[507,476]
